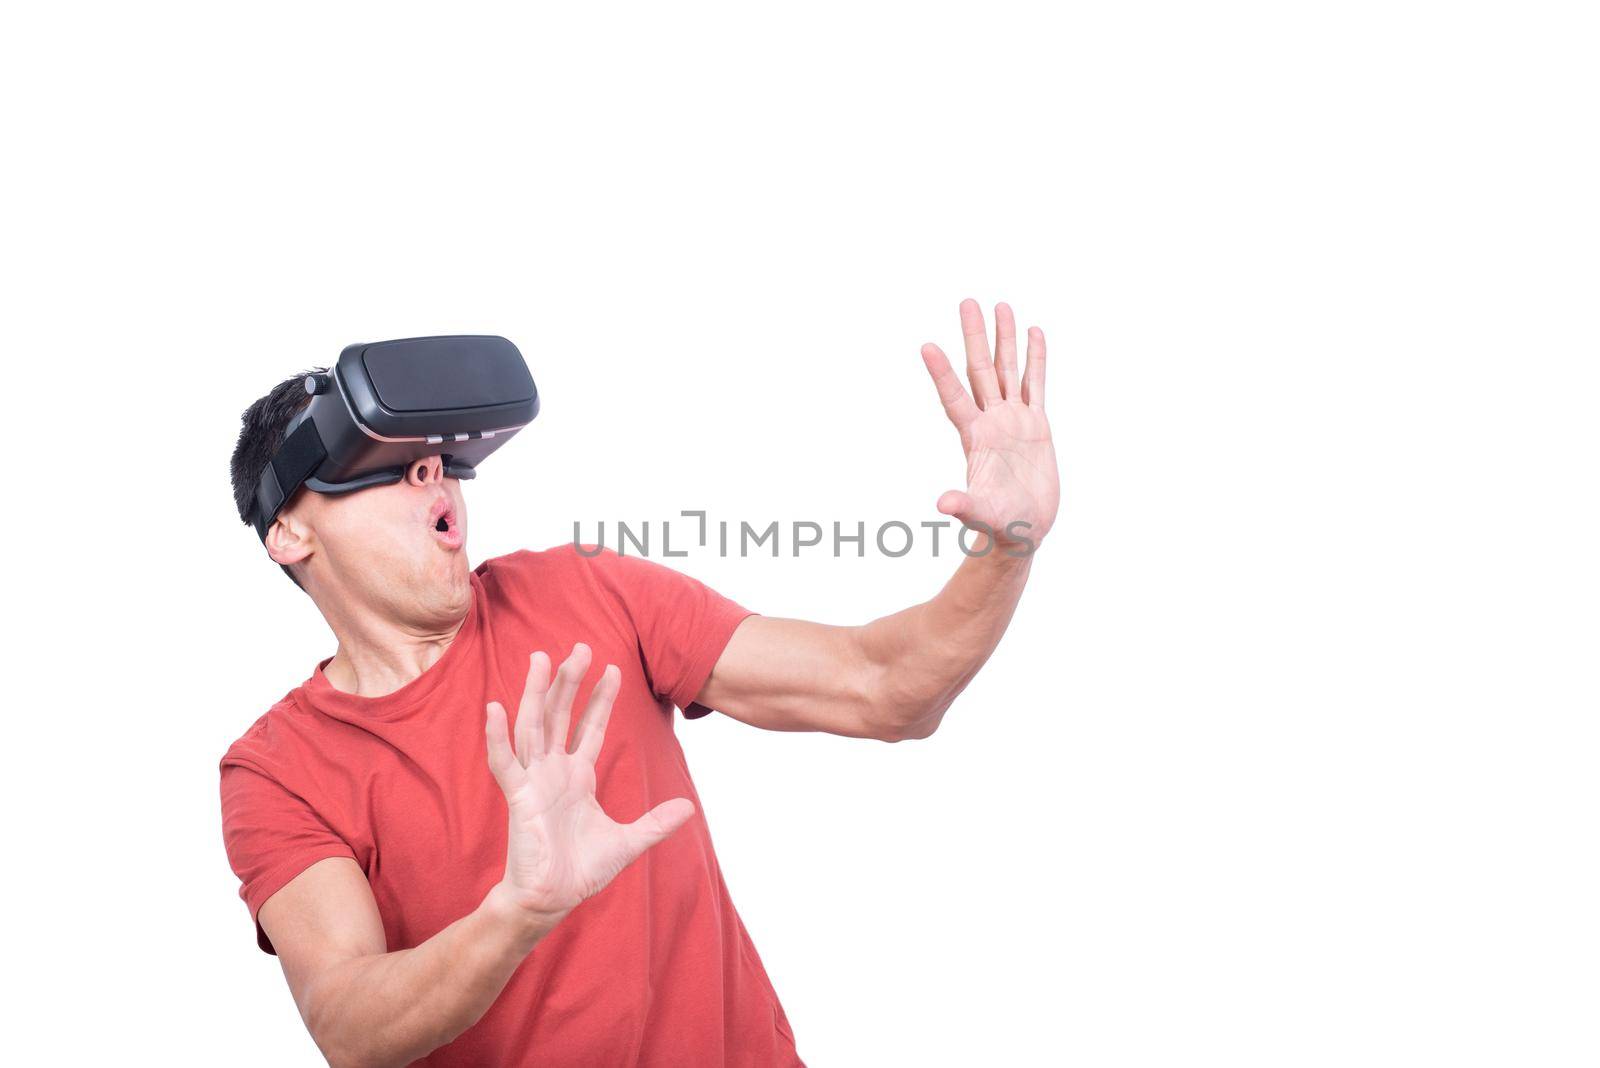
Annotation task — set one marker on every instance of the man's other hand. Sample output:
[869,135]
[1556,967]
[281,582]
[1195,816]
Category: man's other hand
[561,846]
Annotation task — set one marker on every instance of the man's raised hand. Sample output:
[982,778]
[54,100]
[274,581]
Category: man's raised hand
[561,847]
[1011,459]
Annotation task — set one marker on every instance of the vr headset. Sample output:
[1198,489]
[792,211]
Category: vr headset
[388,403]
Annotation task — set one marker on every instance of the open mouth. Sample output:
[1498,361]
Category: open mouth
[442,518]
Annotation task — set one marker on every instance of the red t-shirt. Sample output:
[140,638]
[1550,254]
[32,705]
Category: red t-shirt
[657,968]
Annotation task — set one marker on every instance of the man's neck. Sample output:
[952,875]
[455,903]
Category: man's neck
[377,656]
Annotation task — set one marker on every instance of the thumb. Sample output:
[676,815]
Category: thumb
[959,505]
[657,824]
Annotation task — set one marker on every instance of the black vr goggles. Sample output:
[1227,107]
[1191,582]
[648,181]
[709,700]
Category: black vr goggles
[388,403]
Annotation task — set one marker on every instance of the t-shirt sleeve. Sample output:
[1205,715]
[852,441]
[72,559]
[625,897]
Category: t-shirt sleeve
[271,836]
[683,625]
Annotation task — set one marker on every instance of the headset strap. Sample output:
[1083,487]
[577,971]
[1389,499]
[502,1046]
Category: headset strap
[301,454]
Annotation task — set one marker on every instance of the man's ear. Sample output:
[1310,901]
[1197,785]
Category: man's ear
[289,539]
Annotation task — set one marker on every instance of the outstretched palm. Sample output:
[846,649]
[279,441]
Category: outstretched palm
[561,847]
[1012,485]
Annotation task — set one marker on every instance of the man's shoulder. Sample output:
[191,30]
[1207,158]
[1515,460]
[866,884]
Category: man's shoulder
[568,581]
[594,565]
[262,747]
[566,557]
[568,568]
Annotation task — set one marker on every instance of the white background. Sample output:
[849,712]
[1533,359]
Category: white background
[1289,757]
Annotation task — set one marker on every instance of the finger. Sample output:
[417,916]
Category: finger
[558,705]
[980,368]
[592,728]
[1033,376]
[958,505]
[530,713]
[952,394]
[1005,350]
[502,761]
[656,825]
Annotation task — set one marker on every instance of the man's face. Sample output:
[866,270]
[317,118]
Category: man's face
[397,550]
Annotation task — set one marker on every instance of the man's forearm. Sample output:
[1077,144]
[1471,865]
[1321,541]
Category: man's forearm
[925,655]
[890,679]
[393,1008]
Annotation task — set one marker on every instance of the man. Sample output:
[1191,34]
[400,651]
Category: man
[425,905]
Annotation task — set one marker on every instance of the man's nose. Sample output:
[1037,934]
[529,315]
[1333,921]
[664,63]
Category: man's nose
[425,471]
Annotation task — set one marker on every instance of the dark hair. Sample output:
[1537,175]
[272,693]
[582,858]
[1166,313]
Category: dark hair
[261,435]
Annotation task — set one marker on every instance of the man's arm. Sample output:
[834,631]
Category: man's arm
[364,1006]
[895,677]
[891,679]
